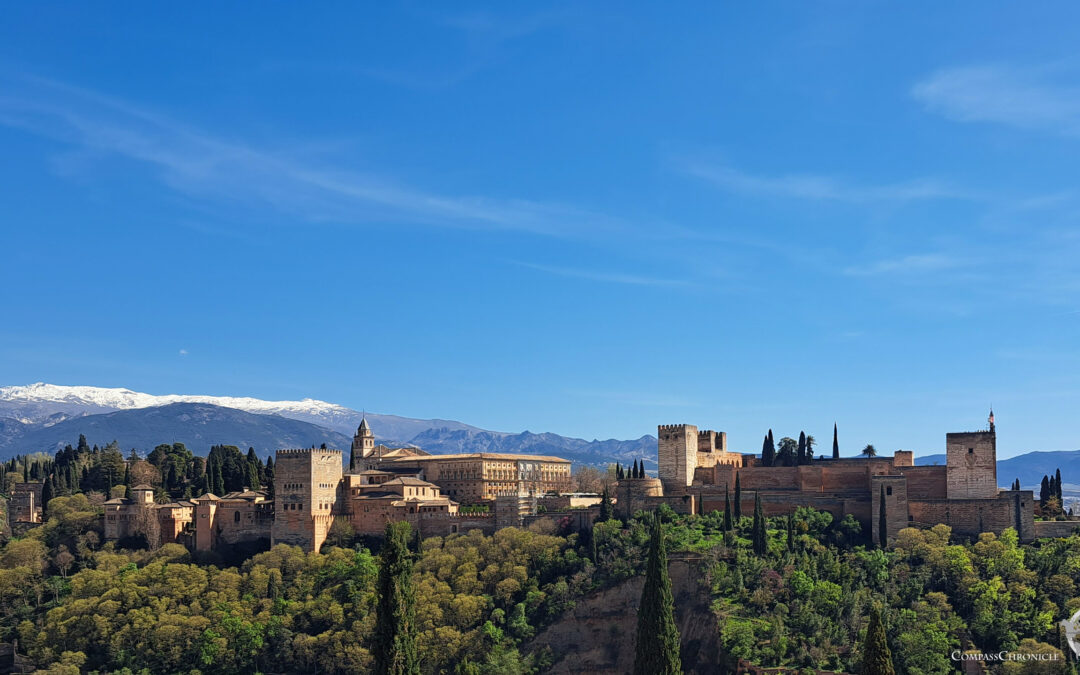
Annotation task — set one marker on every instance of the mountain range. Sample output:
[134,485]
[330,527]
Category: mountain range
[45,417]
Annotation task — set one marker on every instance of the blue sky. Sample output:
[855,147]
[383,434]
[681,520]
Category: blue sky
[587,219]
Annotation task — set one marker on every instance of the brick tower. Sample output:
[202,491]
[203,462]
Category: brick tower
[306,485]
[971,458]
[677,452]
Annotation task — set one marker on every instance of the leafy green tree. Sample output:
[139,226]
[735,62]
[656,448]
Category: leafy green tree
[877,659]
[786,452]
[656,648]
[395,619]
[869,450]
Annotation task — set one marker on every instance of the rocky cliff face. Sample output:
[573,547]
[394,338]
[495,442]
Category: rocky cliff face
[597,636]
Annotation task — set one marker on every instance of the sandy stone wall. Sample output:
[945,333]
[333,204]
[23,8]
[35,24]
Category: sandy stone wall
[972,465]
[926,482]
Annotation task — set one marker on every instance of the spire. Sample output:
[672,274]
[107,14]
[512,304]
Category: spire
[363,429]
[991,420]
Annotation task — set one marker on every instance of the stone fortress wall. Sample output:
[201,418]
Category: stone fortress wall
[696,470]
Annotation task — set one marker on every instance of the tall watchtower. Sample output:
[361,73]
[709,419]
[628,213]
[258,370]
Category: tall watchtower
[306,487]
[971,460]
[677,449]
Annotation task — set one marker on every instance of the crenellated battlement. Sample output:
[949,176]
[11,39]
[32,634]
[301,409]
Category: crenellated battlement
[671,427]
[307,451]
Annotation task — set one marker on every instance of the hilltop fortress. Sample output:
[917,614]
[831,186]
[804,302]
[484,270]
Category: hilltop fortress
[697,473]
[697,470]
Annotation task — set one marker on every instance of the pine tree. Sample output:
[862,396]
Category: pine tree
[394,642]
[759,532]
[883,536]
[727,511]
[877,659]
[656,649]
[605,507]
[835,443]
[738,498]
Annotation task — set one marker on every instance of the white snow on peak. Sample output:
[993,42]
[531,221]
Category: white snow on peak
[126,399]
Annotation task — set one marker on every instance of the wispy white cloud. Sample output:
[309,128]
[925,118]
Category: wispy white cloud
[200,164]
[823,188]
[910,264]
[1033,98]
[607,277]
[183,352]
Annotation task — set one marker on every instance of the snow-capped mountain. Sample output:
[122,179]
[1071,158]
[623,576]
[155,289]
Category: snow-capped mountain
[47,404]
[61,397]
[45,417]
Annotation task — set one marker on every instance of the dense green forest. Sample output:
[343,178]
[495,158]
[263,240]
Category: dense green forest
[803,601]
[171,469]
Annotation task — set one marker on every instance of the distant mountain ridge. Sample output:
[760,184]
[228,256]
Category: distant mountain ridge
[45,417]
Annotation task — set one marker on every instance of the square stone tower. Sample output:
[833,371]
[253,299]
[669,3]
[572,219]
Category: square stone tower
[677,451]
[971,460]
[306,487]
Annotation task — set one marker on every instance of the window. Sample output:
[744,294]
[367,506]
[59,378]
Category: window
[971,451]
[888,490]
[236,516]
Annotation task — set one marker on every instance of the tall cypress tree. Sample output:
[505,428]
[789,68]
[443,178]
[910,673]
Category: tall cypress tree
[883,537]
[877,659]
[656,650]
[738,498]
[1057,483]
[727,511]
[618,471]
[759,533]
[394,642]
[1044,491]
[768,453]
[791,533]
[802,448]
[835,443]
[605,507]
[46,495]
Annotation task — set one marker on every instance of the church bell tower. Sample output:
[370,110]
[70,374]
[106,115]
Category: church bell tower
[363,444]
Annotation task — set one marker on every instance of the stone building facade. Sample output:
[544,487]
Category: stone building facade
[25,503]
[696,470]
